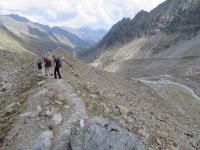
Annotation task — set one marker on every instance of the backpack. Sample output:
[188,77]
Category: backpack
[47,61]
[58,62]
[39,64]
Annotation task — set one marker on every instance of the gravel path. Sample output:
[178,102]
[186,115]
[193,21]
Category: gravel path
[62,134]
[33,127]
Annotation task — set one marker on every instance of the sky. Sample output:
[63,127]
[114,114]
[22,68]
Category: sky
[77,13]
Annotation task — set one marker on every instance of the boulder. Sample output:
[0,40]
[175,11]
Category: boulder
[103,134]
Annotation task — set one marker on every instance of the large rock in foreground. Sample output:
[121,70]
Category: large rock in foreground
[102,134]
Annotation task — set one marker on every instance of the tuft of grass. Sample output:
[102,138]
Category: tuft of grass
[50,127]
[130,113]
[7,120]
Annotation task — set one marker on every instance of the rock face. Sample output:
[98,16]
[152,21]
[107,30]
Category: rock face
[170,16]
[103,134]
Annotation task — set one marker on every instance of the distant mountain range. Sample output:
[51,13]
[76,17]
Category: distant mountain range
[88,34]
[38,38]
[149,34]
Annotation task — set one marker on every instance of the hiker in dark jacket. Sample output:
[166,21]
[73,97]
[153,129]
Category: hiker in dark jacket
[57,65]
[39,65]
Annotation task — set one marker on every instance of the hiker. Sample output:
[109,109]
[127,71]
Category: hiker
[47,65]
[57,65]
[39,65]
[52,60]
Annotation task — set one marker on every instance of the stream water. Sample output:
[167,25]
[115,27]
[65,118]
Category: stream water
[167,82]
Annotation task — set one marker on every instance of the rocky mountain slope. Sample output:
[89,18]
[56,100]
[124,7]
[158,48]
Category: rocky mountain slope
[151,92]
[73,38]
[179,16]
[159,49]
[158,30]
[133,104]
[34,37]
[81,37]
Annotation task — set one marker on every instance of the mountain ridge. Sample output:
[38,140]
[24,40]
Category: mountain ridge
[171,22]
[72,38]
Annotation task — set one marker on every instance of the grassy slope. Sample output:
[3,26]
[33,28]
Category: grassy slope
[8,43]
[20,36]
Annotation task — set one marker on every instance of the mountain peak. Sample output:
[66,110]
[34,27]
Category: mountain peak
[170,16]
[125,20]
[141,13]
[18,18]
[85,28]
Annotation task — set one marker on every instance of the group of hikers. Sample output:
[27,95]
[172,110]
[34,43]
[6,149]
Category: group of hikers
[51,64]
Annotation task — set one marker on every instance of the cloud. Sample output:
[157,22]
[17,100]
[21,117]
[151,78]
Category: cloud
[77,13]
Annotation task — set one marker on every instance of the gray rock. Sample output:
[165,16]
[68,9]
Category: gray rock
[12,107]
[93,96]
[57,119]
[144,133]
[44,141]
[25,114]
[103,134]
[58,102]
[48,114]
[7,86]
[36,112]
[41,83]
[39,109]
[61,97]
[158,142]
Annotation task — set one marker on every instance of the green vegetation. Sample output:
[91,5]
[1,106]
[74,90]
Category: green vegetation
[7,120]
[50,127]
[10,44]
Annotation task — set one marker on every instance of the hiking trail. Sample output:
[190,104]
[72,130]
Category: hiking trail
[51,111]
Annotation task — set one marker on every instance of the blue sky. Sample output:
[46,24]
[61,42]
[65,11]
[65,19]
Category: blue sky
[77,13]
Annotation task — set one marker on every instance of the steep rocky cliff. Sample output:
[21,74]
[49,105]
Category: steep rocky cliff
[174,20]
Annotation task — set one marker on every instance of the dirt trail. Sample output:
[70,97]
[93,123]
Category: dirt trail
[55,96]
[76,103]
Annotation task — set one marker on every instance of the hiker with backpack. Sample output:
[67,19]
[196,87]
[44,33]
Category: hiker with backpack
[47,65]
[52,60]
[57,65]
[39,65]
